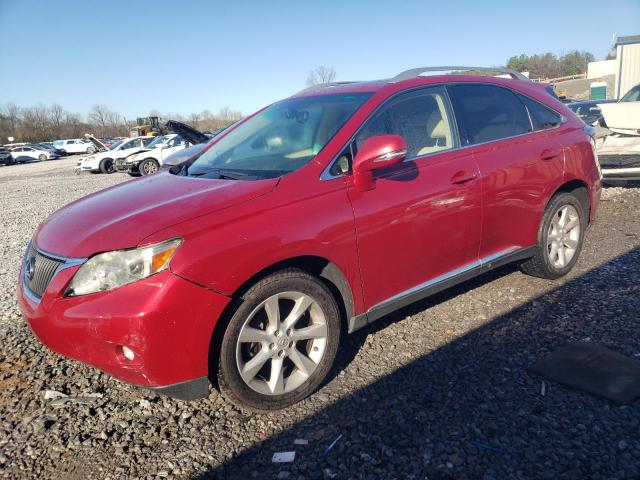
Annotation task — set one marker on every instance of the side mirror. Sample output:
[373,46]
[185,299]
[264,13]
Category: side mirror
[377,152]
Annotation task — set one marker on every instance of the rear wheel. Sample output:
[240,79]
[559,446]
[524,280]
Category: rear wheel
[106,165]
[148,166]
[280,342]
[63,152]
[560,238]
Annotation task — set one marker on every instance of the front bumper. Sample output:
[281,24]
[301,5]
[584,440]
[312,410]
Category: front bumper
[165,320]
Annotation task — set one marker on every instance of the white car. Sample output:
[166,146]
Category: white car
[104,161]
[26,153]
[149,161]
[74,145]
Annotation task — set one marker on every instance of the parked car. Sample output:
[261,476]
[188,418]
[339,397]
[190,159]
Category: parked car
[618,145]
[5,157]
[315,216]
[32,152]
[589,111]
[74,145]
[149,161]
[104,161]
[50,147]
[198,140]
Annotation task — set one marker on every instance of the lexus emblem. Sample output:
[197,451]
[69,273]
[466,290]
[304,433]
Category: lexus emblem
[30,268]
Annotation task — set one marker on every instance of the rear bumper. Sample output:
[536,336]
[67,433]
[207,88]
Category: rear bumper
[165,320]
[632,173]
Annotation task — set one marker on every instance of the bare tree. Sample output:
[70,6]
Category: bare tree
[321,75]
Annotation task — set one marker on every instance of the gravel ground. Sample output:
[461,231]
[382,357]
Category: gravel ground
[441,389]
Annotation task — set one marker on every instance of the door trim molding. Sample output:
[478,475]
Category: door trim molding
[439,283]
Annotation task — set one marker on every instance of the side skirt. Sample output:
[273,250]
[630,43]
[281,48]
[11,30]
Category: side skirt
[439,284]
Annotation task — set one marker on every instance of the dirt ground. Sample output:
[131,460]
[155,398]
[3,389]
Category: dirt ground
[441,389]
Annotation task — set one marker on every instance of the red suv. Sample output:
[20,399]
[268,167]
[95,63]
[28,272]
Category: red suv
[312,218]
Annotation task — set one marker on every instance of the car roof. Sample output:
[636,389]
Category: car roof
[381,85]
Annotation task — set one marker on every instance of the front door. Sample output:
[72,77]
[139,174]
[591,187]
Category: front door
[421,222]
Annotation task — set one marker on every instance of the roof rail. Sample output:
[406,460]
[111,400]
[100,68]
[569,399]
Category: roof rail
[415,72]
[320,86]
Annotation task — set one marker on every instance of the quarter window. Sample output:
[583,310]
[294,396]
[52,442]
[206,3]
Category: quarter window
[541,117]
[487,112]
[421,118]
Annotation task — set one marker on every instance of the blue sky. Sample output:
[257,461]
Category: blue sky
[188,56]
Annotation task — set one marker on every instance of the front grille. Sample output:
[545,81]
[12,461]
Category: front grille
[44,268]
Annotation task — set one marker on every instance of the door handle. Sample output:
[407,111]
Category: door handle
[549,154]
[463,176]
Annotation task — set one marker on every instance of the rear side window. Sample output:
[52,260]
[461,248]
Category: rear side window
[541,116]
[487,112]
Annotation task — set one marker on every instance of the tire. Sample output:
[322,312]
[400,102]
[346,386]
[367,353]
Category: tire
[63,152]
[304,363]
[90,149]
[106,165]
[560,238]
[148,166]
[42,157]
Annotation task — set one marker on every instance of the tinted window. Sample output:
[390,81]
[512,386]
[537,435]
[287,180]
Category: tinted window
[421,118]
[541,116]
[487,113]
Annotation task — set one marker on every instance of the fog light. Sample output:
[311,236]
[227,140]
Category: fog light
[128,353]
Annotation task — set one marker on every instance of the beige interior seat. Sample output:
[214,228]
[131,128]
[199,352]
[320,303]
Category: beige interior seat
[438,130]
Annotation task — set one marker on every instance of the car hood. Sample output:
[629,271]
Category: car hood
[187,132]
[124,215]
[100,147]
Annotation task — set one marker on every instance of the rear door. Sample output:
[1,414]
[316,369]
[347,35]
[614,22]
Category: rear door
[518,165]
[422,220]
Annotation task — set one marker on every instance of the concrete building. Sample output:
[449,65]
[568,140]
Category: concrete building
[601,69]
[627,64]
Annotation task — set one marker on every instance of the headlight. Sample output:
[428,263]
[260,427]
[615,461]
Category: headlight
[109,270]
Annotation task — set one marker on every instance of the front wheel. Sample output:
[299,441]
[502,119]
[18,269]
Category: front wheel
[90,149]
[106,166]
[148,166]
[42,157]
[560,238]
[280,342]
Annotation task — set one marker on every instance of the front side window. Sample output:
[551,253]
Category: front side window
[541,116]
[420,117]
[486,113]
[279,140]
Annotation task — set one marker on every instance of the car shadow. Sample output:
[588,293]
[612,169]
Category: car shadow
[472,408]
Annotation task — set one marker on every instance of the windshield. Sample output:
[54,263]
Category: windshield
[281,139]
[157,141]
[632,95]
[115,145]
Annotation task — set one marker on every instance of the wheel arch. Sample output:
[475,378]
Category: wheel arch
[580,189]
[321,268]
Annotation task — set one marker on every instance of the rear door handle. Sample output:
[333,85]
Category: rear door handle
[463,176]
[549,154]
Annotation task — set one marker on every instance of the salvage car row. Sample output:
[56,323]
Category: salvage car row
[145,155]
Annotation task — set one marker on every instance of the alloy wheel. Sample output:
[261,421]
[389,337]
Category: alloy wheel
[281,343]
[563,236]
[149,168]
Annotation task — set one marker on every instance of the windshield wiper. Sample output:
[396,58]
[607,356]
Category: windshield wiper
[224,174]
